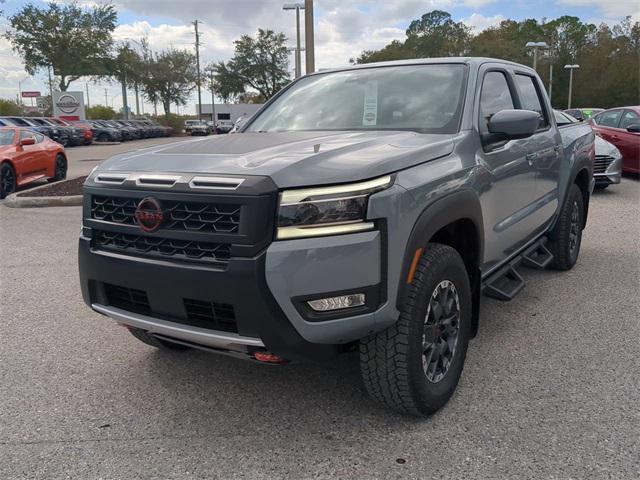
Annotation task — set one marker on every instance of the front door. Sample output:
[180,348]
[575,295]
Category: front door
[507,202]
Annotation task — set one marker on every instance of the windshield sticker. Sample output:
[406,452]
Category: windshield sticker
[370,113]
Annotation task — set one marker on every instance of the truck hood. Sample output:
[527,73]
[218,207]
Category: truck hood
[291,159]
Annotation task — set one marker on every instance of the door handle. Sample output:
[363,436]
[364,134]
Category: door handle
[531,158]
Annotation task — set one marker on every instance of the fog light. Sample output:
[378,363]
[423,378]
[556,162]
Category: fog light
[337,303]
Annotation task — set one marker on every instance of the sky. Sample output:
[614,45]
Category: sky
[343,29]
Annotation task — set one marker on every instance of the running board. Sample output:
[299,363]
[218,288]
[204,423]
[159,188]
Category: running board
[537,256]
[505,284]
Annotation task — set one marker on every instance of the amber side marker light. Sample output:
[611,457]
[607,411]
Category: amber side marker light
[414,264]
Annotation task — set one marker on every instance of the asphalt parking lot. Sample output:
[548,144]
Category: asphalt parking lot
[550,389]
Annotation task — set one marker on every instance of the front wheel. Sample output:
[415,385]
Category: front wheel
[60,172]
[414,366]
[567,233]
[7,180]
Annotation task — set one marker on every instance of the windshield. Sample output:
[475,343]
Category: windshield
[6,137]
[422,98]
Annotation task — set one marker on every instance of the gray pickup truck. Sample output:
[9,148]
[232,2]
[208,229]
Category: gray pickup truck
[365,208]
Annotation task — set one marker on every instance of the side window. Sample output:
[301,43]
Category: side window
[495,96]
[27,134]
[629,118]
[609,119]
[562,119]
[39,137]
[530,97]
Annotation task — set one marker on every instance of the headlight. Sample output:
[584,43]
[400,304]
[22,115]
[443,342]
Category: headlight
[314,212]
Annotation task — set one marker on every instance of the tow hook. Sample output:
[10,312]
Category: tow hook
[268,357]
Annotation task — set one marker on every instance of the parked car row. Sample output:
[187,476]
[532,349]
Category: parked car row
[60,131]
[124,130]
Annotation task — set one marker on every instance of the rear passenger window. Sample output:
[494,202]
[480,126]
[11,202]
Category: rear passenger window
[629,118]
[608,119]
[530,97]
[495,96]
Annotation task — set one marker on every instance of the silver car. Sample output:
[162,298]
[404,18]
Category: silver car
[607,168]
[200,128]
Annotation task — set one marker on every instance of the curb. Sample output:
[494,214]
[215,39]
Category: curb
[15,201]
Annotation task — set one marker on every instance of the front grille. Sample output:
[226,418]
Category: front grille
[601,163]
[128,299]
[161,247]
[217,316]
[181,216]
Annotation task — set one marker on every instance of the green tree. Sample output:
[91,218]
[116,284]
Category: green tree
[260,64]
[226,84]
[100,112]
[435,34]
[70,39]
[9,107]
[169,77]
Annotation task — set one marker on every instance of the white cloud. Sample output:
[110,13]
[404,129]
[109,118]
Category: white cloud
[611,9]
[479,22]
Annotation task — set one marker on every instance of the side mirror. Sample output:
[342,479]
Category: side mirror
[513,124]
[635,128]
[27,141]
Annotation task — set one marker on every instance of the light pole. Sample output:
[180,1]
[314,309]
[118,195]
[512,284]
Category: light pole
[297,52]
[536,46]
[309,41]
[570,68]
[297,7]
[195,23]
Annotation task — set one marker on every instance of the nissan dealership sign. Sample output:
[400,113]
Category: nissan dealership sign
[68,105]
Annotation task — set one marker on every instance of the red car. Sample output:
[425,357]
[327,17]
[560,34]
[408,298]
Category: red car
[621,126]
[87,134]
[26,156]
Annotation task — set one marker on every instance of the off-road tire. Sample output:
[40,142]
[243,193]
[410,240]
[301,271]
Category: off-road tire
[144,337]
[391,361]
[565,251]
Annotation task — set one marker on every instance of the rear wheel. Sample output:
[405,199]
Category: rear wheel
[414,366]
[7,180]
[60,169]
[144,337]
[567,234]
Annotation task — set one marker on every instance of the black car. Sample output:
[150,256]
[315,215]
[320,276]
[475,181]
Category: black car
[129,132]
[74,134]
[103,132]
[53,132]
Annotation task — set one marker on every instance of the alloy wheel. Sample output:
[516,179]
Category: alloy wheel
[8,180]
[441,329]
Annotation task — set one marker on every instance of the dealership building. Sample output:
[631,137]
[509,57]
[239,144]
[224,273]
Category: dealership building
[228,112]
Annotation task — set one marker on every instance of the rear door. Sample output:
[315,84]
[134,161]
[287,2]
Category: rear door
[507,202]
[606,124]
[628,142]
[544,150]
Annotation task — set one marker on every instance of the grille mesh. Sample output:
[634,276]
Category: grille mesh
[601,163]
[128,299]
[163,247]
[185,216]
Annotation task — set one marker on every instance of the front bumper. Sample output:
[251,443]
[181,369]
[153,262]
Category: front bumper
[611,175]
[264,320]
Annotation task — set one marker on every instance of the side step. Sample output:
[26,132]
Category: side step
[537,256]
[505,284]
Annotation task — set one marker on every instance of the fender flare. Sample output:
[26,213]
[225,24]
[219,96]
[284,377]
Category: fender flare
[458,205]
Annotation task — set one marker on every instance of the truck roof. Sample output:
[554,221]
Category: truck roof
[475,61]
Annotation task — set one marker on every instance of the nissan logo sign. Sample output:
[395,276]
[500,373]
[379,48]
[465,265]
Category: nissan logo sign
[67,103]
[149,215]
